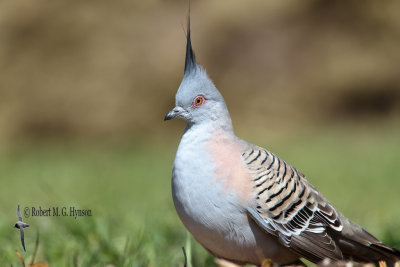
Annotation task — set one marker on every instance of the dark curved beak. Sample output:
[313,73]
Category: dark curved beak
[169,116]
[175,112]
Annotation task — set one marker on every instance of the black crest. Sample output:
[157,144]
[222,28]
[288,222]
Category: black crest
[190,60]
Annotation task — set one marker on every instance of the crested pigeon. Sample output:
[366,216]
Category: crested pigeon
[244,204]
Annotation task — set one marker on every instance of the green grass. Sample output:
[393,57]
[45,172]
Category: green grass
[127,187]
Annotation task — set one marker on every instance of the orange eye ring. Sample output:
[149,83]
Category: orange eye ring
[198,101]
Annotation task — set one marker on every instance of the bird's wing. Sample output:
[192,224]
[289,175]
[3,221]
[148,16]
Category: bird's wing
[22,237]
[19,214]
[289,207]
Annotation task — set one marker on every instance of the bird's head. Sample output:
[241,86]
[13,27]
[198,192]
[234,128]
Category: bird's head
[197,100]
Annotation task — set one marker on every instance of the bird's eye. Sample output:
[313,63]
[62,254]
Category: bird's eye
[198,101]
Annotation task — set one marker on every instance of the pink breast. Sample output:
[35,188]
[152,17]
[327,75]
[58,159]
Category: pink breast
[230,170]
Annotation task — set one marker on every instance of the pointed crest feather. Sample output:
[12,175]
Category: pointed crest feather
[190,60]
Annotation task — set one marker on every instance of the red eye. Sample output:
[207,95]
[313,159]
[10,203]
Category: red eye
[198,101]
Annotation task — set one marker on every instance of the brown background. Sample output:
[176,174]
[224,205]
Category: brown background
[107,70]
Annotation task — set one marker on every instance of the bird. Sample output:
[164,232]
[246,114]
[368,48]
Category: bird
[21,225]
[243,203]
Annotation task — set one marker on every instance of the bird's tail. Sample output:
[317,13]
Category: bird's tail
[375,252]
[359,245]
[387,251]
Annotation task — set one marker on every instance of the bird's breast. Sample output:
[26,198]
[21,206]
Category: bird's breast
[209,172]
[199,197]
[205,186]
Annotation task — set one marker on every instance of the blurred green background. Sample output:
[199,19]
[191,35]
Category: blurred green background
[84,87]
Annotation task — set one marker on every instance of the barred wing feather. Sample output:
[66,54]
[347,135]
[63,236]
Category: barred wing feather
[289,207]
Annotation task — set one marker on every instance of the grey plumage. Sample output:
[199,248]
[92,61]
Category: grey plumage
[21,225]
[243,203]
[196,80]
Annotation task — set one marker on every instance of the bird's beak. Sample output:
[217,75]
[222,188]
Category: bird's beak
[174,113]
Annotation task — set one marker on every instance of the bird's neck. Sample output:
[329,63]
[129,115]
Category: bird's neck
[206,129]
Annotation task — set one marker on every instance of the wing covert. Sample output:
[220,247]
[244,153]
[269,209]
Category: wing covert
[289,207]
